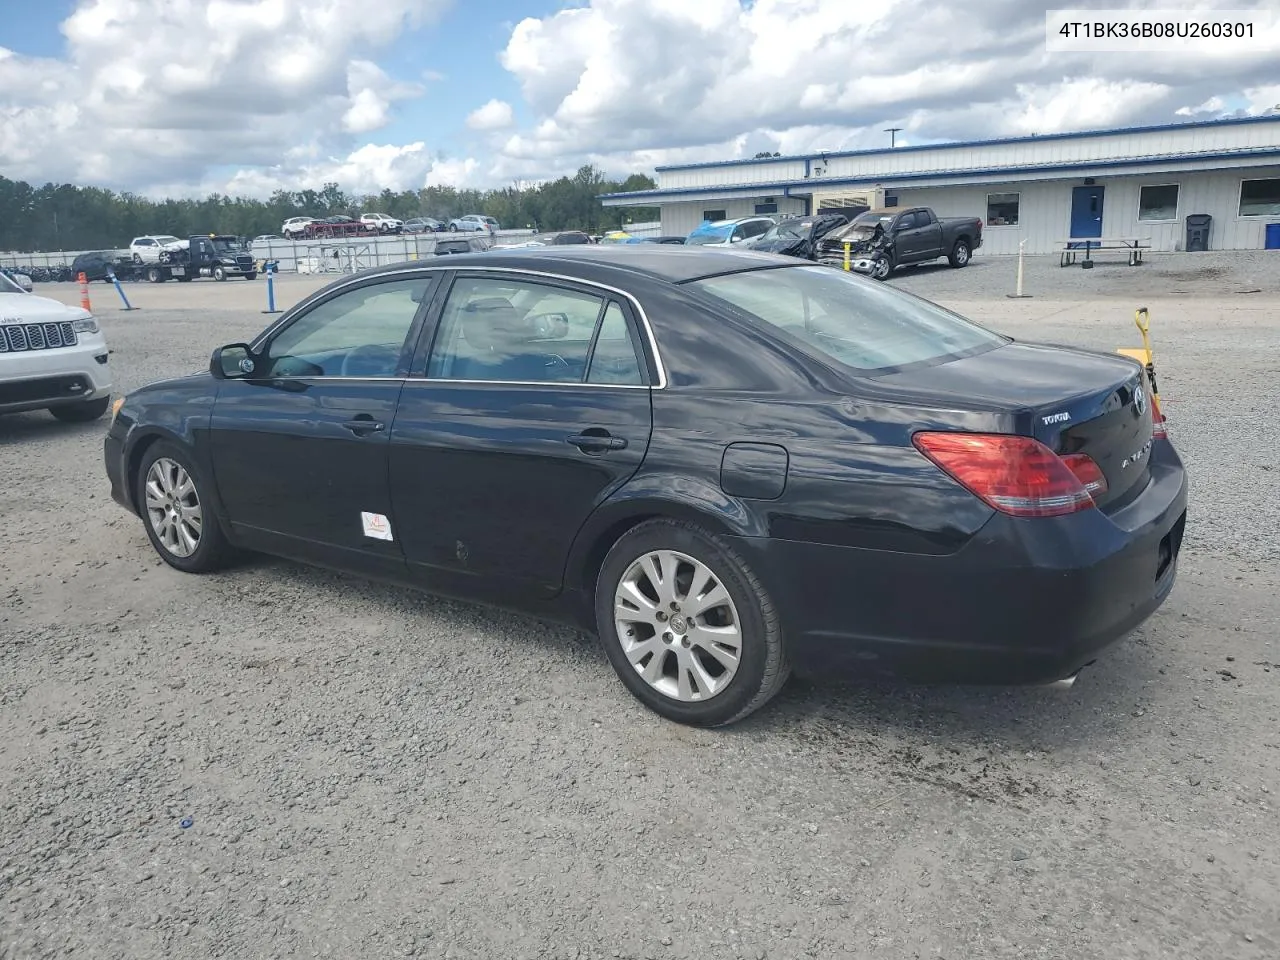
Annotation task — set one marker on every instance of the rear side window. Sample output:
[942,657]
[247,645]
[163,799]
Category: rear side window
[867,326]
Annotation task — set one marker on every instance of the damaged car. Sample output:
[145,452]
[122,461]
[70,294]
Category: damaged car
[797,236]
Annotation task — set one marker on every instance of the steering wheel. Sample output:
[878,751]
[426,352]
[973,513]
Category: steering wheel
[377,352]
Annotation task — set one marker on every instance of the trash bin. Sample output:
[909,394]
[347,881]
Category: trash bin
[1273,237]
[1198,231]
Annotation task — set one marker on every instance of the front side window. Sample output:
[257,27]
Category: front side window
[867,326]
[359,333]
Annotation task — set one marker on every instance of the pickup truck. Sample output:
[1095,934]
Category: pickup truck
[883,240]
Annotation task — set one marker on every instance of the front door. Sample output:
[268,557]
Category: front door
[534,409]
[1086,212]
[914,238]
[300,450]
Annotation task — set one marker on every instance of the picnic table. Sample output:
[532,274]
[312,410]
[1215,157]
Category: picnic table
[1135,246]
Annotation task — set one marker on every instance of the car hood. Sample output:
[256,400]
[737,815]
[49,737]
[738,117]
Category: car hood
[30,308]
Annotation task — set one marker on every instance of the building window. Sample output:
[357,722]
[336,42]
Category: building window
[714,215]
[890,199]
[1002,209]
[1260,198]
[1158,202]
[766,208]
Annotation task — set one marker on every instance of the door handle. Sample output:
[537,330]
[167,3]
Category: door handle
[362,425]
[596,441]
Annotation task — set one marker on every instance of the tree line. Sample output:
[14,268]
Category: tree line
[67,217]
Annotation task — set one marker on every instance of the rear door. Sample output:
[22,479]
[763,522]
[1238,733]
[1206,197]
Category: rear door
[534,408]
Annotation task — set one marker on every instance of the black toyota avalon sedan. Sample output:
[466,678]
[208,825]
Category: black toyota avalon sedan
[730,466]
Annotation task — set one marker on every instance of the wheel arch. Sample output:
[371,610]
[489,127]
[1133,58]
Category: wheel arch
[655,498]
[137,449]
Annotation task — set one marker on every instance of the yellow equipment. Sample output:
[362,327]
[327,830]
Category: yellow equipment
[1142,320]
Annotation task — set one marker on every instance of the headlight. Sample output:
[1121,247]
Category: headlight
[116,404]
[87,325]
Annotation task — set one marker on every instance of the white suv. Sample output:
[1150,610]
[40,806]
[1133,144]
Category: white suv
[147,249]
[380,223]
[52,357]
[295,227]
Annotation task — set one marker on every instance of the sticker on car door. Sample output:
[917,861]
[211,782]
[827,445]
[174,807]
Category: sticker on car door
[376,526]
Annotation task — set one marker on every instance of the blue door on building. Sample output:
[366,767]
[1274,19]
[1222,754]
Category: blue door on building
[1086,212]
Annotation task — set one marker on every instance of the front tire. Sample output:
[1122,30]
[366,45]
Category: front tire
[687,625]
[882,267]
[179,518]
[251,276]
[219,273]
[959,255]
[82,412]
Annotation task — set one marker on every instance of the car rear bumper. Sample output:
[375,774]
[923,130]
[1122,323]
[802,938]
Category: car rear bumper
[38,379]
[1025,602]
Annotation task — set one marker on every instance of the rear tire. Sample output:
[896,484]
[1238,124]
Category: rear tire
[671,636]
[82,412]
[155,275]
[959,256]
[171,495]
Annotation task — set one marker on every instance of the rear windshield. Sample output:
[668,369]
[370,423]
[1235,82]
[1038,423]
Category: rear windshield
[864,324]
[9,286]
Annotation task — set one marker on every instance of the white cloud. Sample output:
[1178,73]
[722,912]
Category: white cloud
[290,92]
[796,75]
[372,92]
[165,90]
[494,115]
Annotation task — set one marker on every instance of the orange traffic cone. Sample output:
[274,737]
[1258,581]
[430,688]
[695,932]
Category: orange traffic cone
[84,292]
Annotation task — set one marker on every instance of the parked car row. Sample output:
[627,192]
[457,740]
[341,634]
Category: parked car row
[307,228]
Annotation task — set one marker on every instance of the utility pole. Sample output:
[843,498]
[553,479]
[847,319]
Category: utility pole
[892,131]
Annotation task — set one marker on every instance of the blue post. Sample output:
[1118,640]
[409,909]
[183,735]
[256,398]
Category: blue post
[271,288]
[120,290]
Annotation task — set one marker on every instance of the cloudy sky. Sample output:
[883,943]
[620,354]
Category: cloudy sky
[184,97]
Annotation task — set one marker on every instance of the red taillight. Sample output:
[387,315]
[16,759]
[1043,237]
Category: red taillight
[1087,472]
[1159,429]
[1019,476]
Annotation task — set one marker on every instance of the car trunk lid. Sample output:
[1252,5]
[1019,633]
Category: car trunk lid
[1072,401]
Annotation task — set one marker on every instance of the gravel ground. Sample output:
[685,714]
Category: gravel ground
[369,772]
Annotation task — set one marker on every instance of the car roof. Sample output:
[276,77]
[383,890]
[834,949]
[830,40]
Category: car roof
[673,263]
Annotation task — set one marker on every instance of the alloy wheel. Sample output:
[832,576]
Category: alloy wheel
[173,507]
[678,626]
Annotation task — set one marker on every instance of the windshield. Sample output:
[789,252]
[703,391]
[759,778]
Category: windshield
[716,235]
[860,323]
[225,245]
[8,286]
[788,230]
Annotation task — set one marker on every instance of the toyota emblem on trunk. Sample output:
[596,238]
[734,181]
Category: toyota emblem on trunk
[1140,398]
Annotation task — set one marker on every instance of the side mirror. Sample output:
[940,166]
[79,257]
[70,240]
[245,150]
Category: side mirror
[736,238]
[233,362]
